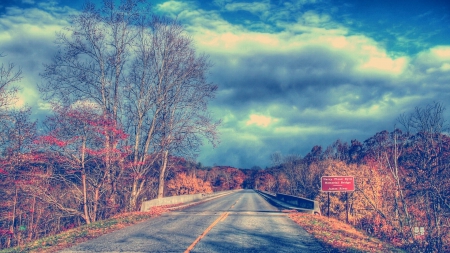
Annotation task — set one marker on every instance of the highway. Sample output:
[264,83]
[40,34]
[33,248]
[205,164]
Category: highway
[239,222]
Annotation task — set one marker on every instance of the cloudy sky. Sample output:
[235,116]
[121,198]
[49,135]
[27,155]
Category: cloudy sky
[291,74]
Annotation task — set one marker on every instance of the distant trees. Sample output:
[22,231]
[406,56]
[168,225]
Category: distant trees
[402,180]
[184,183]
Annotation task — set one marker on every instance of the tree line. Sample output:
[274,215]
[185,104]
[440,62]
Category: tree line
[402,180]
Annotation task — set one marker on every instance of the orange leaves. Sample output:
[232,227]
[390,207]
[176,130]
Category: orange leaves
[225,178]
[183,184]
[336,235]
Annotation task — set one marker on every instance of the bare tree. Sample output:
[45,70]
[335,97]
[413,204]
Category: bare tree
[143,72]
[184,94]
[8,94]
[92,63]
[428,149]
[8,76]
[276,158]
[386,149]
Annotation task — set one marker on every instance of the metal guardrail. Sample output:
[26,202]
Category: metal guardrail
[294,202]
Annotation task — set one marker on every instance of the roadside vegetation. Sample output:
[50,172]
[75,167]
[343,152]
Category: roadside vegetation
[337,236]
[84,233]
[402,181]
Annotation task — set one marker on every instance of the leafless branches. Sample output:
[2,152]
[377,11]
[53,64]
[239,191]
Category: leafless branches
[143,72]
[8,76]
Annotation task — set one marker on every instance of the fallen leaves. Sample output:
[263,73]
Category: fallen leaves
[337,236]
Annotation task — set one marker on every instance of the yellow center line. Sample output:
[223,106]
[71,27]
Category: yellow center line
[225,216]
[221,218]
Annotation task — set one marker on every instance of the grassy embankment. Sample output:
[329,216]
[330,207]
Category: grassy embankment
[337,236]
[80,234]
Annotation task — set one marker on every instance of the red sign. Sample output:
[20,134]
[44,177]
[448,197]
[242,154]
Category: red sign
[338,184]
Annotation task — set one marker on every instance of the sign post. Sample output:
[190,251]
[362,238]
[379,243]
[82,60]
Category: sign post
[338,184]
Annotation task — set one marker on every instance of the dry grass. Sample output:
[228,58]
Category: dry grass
[337,236]
[77,235]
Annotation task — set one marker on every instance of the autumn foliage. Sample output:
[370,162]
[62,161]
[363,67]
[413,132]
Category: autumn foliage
[402,182]
[337,236]
[80,171]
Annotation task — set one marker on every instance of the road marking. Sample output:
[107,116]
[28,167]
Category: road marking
[221,218]
[224,216]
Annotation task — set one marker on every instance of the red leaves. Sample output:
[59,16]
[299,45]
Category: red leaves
[82,133]
[50,140]
[5,233]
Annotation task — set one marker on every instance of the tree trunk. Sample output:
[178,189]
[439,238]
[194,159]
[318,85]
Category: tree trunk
[162,175]
[134,196]
[85,207]
[96,203]
[83,178]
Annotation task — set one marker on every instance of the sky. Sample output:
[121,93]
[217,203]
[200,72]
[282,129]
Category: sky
[291,74]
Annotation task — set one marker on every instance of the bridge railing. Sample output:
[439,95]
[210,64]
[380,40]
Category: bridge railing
[295,202]
[146,205]
[181,199]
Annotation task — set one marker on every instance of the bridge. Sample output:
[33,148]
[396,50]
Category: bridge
[240,221]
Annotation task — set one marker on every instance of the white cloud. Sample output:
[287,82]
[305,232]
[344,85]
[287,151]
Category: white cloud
[442,52]
[260,120]
[255,7]
[44,106]
[434,62]
[445,67]
[27,39]
[174,7]
[385,64]
[302,130]
[314,18]
[316,77]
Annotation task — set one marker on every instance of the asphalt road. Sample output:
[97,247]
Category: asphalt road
[240,222]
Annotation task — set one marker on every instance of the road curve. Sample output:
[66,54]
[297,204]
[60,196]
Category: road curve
[240,222]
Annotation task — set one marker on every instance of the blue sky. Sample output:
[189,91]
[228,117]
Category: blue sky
[291,74]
